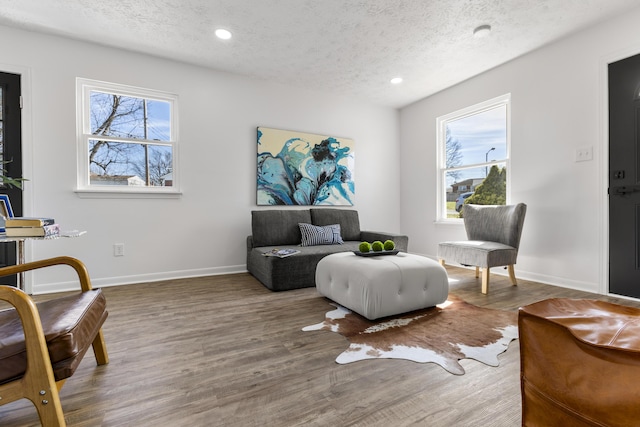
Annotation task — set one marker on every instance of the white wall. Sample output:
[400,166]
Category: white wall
[558,105]
[204,231]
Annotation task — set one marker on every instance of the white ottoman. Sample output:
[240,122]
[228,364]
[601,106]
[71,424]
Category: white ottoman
[382,285]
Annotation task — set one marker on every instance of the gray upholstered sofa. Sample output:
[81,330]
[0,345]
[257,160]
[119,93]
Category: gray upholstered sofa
[278,228]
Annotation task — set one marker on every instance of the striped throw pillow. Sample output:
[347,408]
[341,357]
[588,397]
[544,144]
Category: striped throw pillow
[313,235]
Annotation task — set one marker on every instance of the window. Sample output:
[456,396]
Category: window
[473,157]
[126,139]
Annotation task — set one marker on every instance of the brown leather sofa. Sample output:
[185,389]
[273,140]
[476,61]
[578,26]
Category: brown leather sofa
[580,363]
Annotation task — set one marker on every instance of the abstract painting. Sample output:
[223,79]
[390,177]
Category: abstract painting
[297,168]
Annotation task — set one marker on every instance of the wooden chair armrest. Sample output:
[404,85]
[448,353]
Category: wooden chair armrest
[39,385]
[76,264]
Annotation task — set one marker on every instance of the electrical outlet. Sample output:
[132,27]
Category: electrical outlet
[118,249]
[584,154]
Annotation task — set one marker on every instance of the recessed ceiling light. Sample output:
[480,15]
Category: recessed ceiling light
[482,31]
[223,34]
[396,80]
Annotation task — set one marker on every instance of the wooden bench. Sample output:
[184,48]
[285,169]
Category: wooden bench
[42,344]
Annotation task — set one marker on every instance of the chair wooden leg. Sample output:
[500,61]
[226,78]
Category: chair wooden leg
[50,413]
[441,261]
[485,280]
[512,275]
[477,271]
[38,386]
[100,349]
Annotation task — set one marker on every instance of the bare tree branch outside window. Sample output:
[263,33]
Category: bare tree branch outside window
[454,155]
[125,147]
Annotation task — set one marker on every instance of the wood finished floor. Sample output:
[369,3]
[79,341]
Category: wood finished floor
[225,351]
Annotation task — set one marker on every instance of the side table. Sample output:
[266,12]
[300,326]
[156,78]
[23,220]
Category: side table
[20,247]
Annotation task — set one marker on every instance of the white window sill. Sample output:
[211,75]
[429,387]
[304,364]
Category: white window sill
[142,193]
[450,222]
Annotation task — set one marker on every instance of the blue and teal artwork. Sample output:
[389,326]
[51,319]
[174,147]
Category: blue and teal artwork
[304,169]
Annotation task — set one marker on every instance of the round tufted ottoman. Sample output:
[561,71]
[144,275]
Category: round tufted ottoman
[382,285]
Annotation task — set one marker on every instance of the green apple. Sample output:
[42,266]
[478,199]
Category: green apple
[365,247]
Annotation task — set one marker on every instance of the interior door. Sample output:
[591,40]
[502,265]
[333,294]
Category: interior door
[624,177]
[11,152]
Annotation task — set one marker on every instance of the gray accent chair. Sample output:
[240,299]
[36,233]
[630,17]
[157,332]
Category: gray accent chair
[494,238]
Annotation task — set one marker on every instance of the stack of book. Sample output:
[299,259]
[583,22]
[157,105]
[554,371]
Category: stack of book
[31,227]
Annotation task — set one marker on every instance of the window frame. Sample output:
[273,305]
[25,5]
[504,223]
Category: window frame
[441,157]
[84,87]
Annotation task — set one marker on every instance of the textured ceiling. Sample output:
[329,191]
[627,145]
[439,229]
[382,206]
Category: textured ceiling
[347,47]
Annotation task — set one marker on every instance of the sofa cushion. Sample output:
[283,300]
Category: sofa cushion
[277,227]
[313,235]
[293,272]
[346,218]
[70,325]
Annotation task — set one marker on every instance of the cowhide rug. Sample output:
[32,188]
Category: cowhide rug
[443,334]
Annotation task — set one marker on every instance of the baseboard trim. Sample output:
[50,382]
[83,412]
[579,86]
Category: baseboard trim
[577,285]
[542,278]
[106,282]
[49,288]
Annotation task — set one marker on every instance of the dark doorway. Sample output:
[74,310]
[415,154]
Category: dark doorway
[11,154]
[624,177]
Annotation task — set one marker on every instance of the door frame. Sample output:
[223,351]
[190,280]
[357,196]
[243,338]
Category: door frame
[27,153]
[603,167]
